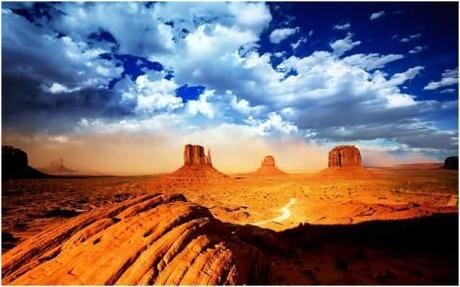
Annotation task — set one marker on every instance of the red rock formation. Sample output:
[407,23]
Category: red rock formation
[197,169]
[268,167]
[345,161]
[153,239]
[194,155]
[346,155]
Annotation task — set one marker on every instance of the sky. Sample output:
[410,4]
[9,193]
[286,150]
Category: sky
[121,87]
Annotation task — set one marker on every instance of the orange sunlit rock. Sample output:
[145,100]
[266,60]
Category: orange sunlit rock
[152,239]
[345,161]
[268,167]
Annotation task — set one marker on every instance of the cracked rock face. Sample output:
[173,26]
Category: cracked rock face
[344,156]
[152,239]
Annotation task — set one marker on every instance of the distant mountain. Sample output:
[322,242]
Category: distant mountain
[57,167]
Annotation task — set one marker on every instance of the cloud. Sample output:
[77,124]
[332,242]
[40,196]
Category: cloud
[448,78]
[343,45]
[417,49]
[344,26]
[447,91]
[410,38]
[278,35]
[79,74]
[376,15]
[371,61]
[297,44]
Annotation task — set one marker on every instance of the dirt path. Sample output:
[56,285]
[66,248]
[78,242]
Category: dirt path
[285,213]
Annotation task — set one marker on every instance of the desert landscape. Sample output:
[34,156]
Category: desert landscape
[347,224]
[229,143]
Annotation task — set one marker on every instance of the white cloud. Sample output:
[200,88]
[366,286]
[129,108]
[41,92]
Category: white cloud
[417,49]
[273,123]
[153,94]
[376,15]
[297,44]
[57,88]
[410,38]
[344,26]
[342,45]
[372,61]
[449,77]
[278,35]
[400,78]
[447,91]
[202,105]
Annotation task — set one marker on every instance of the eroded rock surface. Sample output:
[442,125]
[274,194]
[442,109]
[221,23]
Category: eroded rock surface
[347,155]
[268,167]
[345,161]
[195,155]
[152,239]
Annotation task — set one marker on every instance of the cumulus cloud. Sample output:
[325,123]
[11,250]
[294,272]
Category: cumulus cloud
[278,35]
[111,86]
[376,15]
[449,77]
[343,45]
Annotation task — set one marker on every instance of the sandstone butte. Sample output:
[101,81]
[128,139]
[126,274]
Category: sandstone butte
[268,167]
[345,161]
[197,169]
[151,239]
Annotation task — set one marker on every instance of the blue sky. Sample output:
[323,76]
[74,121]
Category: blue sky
[383,76]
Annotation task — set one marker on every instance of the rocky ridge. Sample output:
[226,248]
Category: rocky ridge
[151,239]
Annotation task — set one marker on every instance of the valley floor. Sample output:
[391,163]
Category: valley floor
[304,205]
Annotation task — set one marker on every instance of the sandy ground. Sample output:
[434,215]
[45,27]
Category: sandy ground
[281,203]
[284,202]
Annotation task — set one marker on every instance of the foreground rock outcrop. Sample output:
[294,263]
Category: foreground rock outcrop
[451,163]
[151,239]
[268,167]
[15,164]
[345,161]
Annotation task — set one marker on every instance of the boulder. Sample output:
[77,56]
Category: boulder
[451,163]
[268,167]
[15,164]
[154,239]
[346,155]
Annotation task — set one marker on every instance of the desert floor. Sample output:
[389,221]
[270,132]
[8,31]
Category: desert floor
[289,205]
